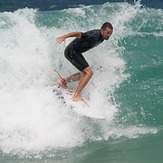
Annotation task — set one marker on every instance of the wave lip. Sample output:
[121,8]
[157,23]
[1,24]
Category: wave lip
[49,5]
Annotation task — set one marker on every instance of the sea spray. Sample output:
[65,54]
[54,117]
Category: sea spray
[32,118]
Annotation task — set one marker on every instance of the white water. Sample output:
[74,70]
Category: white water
[32,118]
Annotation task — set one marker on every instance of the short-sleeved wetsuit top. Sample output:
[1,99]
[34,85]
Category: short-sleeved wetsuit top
[74,50]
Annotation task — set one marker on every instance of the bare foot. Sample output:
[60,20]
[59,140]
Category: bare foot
[61,84]
[78,98]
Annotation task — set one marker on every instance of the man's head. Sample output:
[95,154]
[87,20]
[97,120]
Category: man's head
[106,30]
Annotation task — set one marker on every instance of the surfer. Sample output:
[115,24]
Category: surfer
[73,52]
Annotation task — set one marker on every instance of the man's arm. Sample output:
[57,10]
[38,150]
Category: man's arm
[72,34]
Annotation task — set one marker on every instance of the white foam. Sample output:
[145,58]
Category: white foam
[32,118]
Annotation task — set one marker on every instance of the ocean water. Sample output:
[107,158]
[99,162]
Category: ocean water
[126,88]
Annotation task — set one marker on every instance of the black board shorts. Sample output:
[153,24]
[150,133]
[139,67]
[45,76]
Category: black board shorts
[76,58]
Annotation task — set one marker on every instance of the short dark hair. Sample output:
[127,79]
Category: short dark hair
[107,24]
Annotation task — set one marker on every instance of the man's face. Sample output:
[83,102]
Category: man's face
[106,33]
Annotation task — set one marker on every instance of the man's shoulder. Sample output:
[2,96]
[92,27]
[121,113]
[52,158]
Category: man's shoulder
[91,33]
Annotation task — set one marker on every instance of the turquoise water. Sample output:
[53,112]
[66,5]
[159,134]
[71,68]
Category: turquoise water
[126,87]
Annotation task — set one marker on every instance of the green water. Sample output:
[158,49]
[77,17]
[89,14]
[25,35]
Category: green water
[144,149]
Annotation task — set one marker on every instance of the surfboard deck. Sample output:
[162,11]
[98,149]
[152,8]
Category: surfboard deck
[64,95]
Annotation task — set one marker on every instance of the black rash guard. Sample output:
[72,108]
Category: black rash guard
[87,41]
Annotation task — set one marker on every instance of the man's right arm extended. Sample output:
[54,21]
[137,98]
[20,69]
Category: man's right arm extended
[72,34]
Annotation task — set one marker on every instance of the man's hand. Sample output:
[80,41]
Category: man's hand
[61,39]
[72,34]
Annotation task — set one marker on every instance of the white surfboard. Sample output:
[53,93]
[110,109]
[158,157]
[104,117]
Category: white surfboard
[64,95]
[88,112]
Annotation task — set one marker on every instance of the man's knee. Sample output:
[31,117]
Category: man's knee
[88,71]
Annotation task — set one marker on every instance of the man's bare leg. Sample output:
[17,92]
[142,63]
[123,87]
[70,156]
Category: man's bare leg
[72,78]
[87,74]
